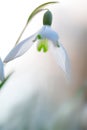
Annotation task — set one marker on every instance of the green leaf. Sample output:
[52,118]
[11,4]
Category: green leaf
[39,9]
[5,80]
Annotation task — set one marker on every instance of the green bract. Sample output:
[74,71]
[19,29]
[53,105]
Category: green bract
[47,19]
[39,36]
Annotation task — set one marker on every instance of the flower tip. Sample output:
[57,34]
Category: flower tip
[5,61]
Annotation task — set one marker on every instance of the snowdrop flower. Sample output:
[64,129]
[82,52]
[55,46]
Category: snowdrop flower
[45,34]
[1,70]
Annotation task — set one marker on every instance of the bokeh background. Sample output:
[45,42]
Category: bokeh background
[38,72]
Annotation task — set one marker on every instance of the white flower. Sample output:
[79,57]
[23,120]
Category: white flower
[1,70]
[42,36]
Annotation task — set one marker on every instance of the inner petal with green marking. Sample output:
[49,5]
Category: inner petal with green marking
[43,45]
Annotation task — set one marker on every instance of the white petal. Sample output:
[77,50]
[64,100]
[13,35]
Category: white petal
[1,70]
[20,49]
[47,32]
[62,59]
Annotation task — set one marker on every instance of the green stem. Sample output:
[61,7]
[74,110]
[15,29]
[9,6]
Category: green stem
[21,33]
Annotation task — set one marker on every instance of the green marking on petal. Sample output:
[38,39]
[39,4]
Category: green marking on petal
[39,36]
[43,45]
[58,44]
[39,46]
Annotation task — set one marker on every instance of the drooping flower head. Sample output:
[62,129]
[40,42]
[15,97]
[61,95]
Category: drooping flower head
[45,34]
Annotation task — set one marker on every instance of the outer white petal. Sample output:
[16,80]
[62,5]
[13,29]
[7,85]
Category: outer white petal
[62,59]
[20,49]
[47,32]
[1,70]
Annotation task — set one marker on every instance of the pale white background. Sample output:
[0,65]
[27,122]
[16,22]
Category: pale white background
[37,70]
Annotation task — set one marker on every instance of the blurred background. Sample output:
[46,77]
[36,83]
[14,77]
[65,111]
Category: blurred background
[36,72]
